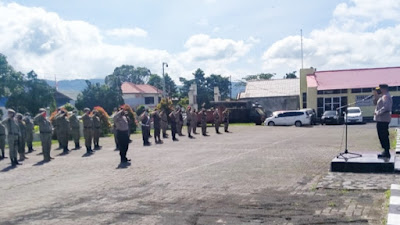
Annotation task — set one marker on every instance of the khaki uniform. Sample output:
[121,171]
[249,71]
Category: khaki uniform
[63,131]
[194,121]
[29,127]
[216,121]
[87,131]
[55,129]
[75,130]
[179,123]
[145,122]
[96,131]
[2,140]
[21,140]
[12,137]
[45,129]
[164,123]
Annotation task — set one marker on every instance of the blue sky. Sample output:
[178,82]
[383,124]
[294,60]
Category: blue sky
[88,39]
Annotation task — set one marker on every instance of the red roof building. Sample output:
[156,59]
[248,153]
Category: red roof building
[332,89]
[140,94]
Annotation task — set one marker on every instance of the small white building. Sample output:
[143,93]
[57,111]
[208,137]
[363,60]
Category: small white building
[140,94]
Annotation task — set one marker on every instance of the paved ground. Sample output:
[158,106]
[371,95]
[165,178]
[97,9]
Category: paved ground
[255,175]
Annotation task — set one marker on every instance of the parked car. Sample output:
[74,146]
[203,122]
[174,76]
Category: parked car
[288,118]
[312,114]
[330,117]
[353,115]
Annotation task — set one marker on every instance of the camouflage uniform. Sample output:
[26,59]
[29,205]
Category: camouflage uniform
[96,131]
[45,129]
[189,122]
[216,121]
[75,130]
[87,131]
[225,118]
[194,121]
[2,140]
[203,122]
[29,128]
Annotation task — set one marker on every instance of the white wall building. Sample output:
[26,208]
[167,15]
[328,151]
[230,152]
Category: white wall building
[140,94]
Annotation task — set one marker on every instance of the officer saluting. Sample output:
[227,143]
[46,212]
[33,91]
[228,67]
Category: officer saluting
[382,116]
[12,137]
[87,130]
[45,129]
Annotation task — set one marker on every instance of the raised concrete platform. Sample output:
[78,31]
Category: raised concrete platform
[367,163]
[394,205]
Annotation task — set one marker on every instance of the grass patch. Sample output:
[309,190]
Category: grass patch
[344,191]
[314,187]
[332,204]
[386,207]
[392,138]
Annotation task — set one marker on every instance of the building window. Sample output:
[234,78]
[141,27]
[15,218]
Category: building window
[335,91]
[148,100]
[330,103]
[366,90]
[392,88]
[304,100]
[356,90]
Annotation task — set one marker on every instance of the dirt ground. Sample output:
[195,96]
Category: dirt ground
[254,175]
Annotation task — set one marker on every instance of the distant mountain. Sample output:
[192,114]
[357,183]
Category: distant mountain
[72,88]
[237,89]
[73,85]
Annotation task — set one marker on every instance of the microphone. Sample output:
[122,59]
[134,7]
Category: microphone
[369,97]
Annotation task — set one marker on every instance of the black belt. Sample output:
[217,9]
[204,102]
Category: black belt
[97,127]
[2,135]
[13,134]
[87,127]
[48,132]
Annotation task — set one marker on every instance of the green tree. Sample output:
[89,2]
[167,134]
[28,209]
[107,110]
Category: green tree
[127,73]
[10,79]
[30,95]
[205,86]
[99,95]
[170,86]
[156,81]
[291,75]
[222,83]
[261,76]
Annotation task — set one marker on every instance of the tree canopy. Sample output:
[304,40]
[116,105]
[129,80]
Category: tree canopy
[291,75]
[170,86]
[205,86]
[99,95]
[26,93]
[127,73]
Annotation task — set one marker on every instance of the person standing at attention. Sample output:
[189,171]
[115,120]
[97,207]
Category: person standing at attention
[382,116]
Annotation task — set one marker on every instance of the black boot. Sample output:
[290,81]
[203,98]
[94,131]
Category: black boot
[384,154]
[65,151]
[88,150]
[16,162]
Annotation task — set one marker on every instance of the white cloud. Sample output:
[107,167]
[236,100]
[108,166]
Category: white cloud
[362,34]
[33,38]
[127,32]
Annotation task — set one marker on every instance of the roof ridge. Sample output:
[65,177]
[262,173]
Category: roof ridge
[374,68]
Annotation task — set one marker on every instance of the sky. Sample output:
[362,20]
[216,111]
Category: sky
[77,39]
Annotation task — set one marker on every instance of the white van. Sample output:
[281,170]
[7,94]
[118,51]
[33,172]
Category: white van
[288,118]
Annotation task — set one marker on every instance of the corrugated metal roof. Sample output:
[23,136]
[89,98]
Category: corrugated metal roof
[131,88]
[356,78]
[271,88]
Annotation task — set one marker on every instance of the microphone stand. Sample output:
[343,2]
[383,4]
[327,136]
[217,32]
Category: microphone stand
[346,154]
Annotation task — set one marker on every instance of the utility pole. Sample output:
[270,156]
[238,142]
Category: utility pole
[230,86]
[301,42]
[164,64]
